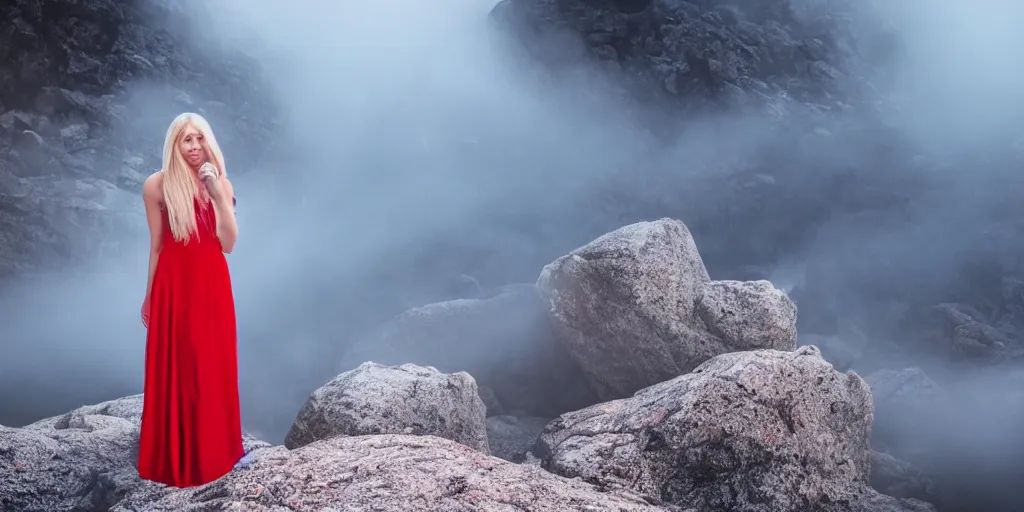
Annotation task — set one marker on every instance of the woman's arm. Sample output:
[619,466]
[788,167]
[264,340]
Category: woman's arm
[152,193]
[227,225]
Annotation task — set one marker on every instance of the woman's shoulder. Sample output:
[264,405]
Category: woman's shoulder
[156,178]
[153,186]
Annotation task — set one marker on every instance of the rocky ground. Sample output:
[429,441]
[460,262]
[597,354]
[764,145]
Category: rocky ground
[745,421]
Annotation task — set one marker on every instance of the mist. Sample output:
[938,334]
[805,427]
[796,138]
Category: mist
[417,150]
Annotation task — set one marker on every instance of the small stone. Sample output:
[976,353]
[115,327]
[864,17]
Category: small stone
[75,136]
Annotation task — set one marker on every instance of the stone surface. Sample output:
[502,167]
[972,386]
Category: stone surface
[636,307]
[696,54]
[84,460]
[393,473]
[406,399]
[761,430]
[749,314]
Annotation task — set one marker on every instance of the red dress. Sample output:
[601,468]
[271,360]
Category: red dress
[191,424]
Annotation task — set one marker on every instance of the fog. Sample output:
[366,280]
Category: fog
[415,149]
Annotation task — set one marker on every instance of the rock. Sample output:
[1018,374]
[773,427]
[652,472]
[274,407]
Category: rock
[962,332]
[505,342]
[636,307]
[75,136]
[695,55]
[406,399]
[130,179]
[83,460]
[900,479]
[749,314]
[14,122]
[126,408]
[395,473]
[511,438]
[877,502]
[626,303]
[758,430]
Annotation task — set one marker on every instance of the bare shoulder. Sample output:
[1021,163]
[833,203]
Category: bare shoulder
[152,188]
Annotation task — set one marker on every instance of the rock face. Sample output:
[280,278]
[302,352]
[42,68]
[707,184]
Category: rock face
[386,472]
[82,118]
[753,431]
[505,342]
[406,399]
[636,307]
[696,52]
[961,332]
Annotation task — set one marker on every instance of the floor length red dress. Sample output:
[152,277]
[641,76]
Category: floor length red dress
[191,423]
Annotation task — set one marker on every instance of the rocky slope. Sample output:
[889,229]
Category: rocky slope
[700,55]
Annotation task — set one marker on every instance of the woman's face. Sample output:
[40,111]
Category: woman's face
[192,146]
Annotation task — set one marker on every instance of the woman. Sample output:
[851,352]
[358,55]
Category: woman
[191,426]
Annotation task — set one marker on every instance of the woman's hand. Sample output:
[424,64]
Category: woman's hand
[209,175]
[145,312]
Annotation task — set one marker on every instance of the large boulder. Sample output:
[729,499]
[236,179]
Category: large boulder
[395,473]
[636,307]
[750,431]
[406,399]
[505,342]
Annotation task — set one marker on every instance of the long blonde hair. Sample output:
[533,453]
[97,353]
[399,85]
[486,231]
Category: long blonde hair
[181,185]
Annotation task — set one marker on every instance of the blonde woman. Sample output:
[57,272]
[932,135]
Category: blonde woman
[191,423]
